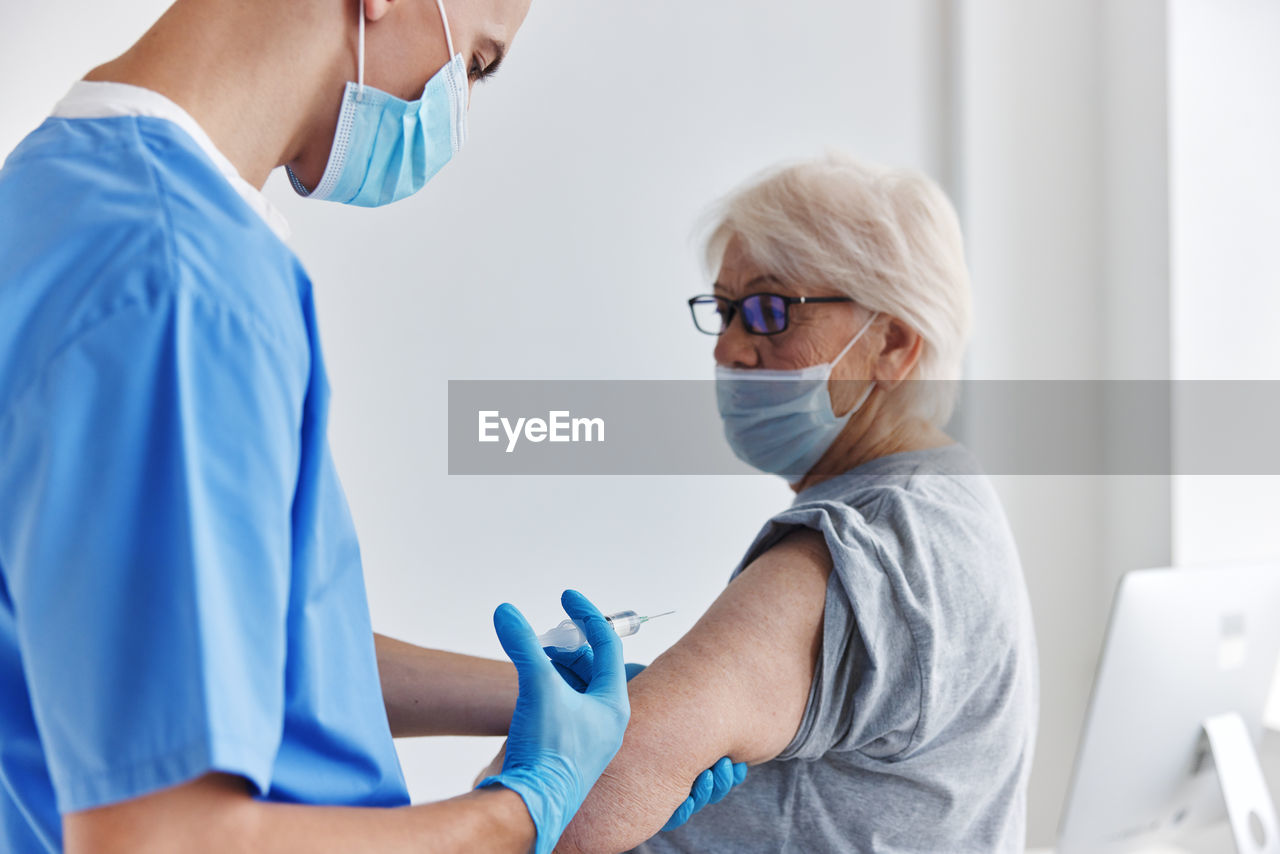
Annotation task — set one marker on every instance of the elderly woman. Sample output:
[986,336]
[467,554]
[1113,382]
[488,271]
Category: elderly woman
[873,655]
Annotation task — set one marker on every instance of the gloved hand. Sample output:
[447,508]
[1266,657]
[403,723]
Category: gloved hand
[710,786]
[560,739]
[574,665]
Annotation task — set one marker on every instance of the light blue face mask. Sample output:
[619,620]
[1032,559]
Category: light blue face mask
[781,422]
[386,148]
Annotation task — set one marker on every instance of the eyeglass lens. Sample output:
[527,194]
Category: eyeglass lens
[762,314]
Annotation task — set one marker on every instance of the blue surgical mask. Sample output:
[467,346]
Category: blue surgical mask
[386,148]
[781,422]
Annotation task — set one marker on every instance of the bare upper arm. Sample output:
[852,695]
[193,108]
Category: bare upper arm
[736,685]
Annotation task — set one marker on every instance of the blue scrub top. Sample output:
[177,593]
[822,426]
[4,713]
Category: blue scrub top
[180,583]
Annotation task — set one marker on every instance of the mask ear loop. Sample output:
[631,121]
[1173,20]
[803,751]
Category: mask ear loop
[448,37]
[855,339]
[871,385]
[360,52]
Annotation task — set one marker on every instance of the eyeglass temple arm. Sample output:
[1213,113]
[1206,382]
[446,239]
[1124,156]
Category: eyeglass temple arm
[803,300]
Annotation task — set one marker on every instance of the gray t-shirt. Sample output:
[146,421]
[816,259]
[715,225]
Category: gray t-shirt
[921,718]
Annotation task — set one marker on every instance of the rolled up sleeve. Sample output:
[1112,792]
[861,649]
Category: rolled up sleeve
[867,686]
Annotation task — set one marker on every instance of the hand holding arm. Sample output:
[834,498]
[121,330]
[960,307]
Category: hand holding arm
[710,786]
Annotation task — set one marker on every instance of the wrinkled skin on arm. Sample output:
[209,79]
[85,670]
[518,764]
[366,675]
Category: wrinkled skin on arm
[736,685]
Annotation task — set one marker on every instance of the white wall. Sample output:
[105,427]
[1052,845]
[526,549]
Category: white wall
[1225,214]
[1225,174]
[45,47]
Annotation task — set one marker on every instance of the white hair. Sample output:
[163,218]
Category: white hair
[888,238]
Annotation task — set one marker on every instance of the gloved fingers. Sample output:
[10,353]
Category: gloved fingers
[681,815]
[609,673]
[739,773]
[698,794]
[519,642]
[703,788]
[572,679]
[578,660]
[722,779]
[633,670]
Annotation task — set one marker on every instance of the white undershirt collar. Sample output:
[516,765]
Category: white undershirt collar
[98,100]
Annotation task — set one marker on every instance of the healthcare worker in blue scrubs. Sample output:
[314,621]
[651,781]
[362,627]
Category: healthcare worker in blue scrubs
[186,657]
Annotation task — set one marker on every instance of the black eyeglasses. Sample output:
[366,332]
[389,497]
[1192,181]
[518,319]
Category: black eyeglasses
[762,314]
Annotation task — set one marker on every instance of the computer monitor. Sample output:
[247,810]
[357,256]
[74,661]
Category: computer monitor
[1184,648]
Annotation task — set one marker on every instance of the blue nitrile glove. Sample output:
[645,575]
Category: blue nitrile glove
[711,785]
[560,740]
[575,665]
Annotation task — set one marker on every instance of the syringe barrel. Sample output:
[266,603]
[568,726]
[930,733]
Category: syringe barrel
[625,623]
[568,635]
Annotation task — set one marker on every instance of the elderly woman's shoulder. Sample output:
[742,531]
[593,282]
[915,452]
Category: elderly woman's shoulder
[916,485]
[940,469]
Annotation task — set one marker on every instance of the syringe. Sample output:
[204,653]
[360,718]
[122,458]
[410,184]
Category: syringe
[567,635]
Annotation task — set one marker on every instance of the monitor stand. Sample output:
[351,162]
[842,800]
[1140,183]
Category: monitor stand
[1250,810]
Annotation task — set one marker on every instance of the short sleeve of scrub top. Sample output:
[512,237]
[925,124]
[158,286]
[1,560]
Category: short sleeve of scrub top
[152,573]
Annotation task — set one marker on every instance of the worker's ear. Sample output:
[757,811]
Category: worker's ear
[375,9]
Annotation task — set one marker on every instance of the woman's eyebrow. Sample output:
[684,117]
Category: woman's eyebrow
[758,280]
[766,279]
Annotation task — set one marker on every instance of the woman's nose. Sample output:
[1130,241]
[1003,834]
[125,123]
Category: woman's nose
[735,348]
